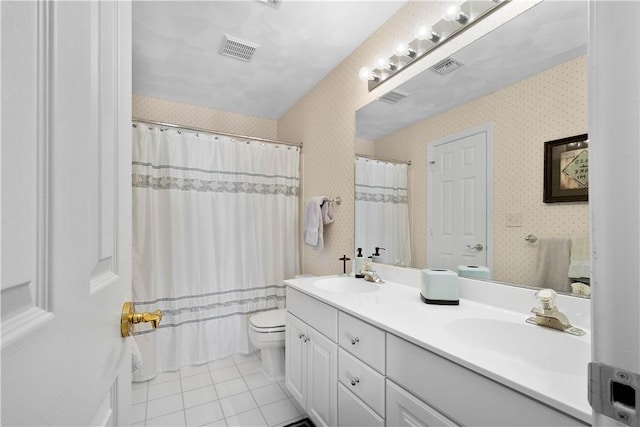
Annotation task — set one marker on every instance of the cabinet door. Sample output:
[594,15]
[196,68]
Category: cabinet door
[354,412]
[322,375]
[295,359]
[403,409]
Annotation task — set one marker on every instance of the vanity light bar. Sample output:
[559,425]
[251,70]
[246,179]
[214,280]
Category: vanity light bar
[428,39]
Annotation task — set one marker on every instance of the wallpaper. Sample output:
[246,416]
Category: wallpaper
[547,106]
[161,110]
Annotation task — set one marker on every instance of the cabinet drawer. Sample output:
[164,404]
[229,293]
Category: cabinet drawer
[403,409]
[464,396]
[363,340]
[353,412]
[362,380]
[318,315]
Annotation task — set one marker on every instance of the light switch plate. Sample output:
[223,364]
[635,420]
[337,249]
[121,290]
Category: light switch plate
[514,219]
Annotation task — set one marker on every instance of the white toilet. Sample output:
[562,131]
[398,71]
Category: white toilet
[266,332]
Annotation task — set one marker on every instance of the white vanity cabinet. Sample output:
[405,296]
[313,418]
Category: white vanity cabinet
[311,357]
[387,359]
[455,394]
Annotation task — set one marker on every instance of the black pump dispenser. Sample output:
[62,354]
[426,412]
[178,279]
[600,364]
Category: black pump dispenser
[359,264]
[376,255]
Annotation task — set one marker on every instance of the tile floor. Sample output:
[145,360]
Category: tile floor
[226,392]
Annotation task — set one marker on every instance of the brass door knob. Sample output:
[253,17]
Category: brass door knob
[129,318]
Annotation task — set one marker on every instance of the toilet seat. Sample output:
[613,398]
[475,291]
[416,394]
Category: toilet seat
[268,321]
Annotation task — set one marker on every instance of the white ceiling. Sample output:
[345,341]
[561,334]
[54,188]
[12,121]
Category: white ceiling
[547,35]
[176,45]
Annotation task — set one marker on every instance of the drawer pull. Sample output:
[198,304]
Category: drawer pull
[355,381]
[355,340]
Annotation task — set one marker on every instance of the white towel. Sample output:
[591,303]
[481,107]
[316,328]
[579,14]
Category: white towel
[327,212]
[552,263]
[580,265]
[136,356]
[312,227]
[317,212]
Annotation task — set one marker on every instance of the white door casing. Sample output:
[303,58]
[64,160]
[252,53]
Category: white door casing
[614,198]
[66,212]
[459,207]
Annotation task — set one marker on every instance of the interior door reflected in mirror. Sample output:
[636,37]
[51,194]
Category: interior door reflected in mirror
[526,81]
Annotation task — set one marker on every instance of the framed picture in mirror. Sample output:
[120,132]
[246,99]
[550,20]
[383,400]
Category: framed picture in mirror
[566,169]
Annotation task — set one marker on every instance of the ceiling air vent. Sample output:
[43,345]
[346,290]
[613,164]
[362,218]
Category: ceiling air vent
[237,48]
[446,66]
[272,3]
[392,97]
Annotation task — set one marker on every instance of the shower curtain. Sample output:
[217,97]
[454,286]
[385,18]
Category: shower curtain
[382,211]
[215,233]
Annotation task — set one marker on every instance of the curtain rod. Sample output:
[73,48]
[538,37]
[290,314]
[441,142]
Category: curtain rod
[233,135]
[384,159]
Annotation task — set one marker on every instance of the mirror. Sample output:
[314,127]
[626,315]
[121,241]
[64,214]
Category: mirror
[526,82]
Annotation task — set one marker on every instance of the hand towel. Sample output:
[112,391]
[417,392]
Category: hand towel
[552,263]
[327,212]
[580,264]
[136,356]
[313,221]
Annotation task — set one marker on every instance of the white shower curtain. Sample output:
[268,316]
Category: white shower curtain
[215,233]
[382,212]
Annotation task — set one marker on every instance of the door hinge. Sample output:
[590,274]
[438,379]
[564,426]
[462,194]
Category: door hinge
[615,393]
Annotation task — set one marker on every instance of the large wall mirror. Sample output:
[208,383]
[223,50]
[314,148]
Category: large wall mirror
[522,85]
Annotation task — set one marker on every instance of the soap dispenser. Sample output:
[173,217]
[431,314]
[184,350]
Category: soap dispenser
[376,257]
[359,264]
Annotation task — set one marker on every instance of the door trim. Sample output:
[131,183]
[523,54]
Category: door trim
[488,129]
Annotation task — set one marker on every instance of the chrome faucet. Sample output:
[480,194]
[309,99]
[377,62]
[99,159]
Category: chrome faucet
[370,274]
[547,314]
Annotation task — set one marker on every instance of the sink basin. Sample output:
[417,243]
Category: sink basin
[346,285]
[544,348]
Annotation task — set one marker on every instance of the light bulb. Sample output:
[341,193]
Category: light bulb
[423,32]
[451,12]
[454,12]
[403,49]
[382,62]
[366,74]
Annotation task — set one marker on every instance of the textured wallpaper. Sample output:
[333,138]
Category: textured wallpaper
[547,106]
[161,110]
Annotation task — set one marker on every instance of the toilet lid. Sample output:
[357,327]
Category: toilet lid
[268,319]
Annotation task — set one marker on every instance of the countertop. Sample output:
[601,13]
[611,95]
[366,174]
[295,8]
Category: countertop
[457,333]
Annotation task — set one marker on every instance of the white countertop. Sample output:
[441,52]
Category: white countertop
[486,338]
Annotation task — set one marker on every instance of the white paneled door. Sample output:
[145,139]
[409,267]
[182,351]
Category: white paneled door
[458,200]
[66,212]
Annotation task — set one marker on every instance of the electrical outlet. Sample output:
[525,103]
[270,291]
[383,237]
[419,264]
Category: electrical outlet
[514,219]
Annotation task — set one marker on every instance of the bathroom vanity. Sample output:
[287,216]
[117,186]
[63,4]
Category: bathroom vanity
[359,353]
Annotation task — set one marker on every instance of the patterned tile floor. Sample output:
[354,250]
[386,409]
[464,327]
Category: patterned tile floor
[226,392]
